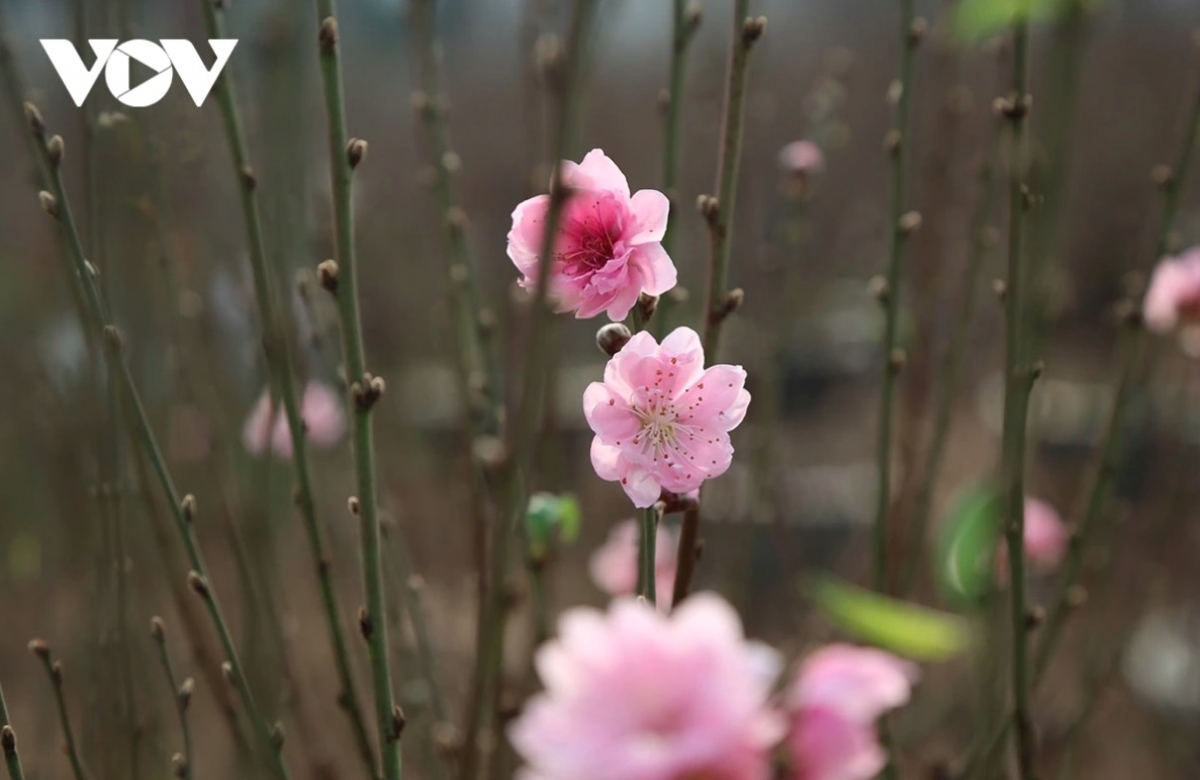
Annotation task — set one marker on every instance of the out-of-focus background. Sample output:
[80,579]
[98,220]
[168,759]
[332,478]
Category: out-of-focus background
[85,567]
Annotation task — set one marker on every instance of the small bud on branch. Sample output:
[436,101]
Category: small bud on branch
[327,36]
[368,391]
[34,117]
[185,693]
[327,273]
[40,648]
[248,177]
[356,152]
[198,584]
[365,625]
[752,30]
[49,203]
[55,150]
[612,337]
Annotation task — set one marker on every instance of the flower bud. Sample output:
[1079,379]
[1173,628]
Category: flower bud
[356,151]
[612,338]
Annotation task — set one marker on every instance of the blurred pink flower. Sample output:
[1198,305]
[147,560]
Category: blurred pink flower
[609,244]
[801,157]
[834,700]
[632,694]
[320,408]
[614,566]
[1046,539]
[661,420]
[1173,296]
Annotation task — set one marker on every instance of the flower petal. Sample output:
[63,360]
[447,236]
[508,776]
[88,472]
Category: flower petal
[527,233]
[657,270]
[596,172]
[607,461]
[650,211]
[641,487]
[609,415]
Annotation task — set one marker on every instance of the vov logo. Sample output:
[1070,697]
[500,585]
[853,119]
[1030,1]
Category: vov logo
[172,56]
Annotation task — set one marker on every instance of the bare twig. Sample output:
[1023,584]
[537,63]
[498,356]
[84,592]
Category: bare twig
[279,364]
[182,763]
[57,206]
[54,671]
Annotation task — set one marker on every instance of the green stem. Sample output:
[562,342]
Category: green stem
[683,26]
[647,585]
[365,389]
[1097,494]
[412,588]
[482,713]
[480,377]
[1174,187]
[279,365]
[687,556]
[180,694]
[474,320]
[58,206]
[1051,166]
[54,671]
[718,302]
[1109,453]
[897,235]
[950,371]
[1019,378]
[8,743]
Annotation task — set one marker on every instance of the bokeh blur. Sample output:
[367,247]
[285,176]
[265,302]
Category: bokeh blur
[87,552]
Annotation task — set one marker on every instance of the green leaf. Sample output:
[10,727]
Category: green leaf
[978,19]
[898,626]
[550,515]
[966,548]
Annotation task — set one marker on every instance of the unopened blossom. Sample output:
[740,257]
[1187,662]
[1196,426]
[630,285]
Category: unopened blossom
[1046,538]
[267,428]
[608,248]
[1173,297]
[661,420]
[836,697]
[633,694]
[802,158]
[614,566]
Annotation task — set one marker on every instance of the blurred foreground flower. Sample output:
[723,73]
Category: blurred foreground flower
[836,697]
[632,694]
[608,250]
[1046,538]
[661,420]
[267,428]
[1173,297]
[614,566]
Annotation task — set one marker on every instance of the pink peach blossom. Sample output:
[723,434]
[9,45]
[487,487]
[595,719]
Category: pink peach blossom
[614,566]
[834,700]
[661,420]
[608,249]
[633,694]
[1173,296]
[1046,538]
[801,158]
[267,428]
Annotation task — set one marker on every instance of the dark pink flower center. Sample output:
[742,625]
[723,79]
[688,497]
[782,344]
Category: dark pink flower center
[590,233]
